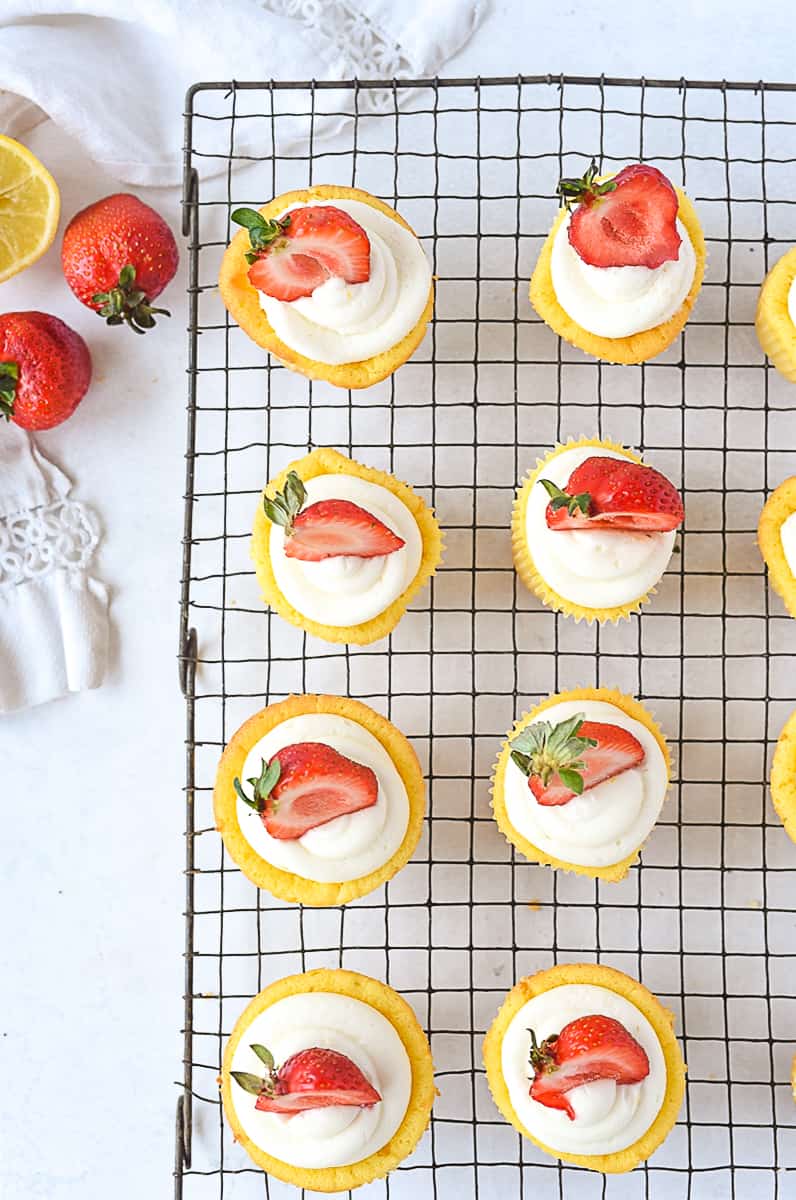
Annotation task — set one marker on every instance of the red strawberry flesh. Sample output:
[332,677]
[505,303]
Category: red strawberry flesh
[623,495]
[617,751]
[331,528]
[321,242]
[318,1078]
[316,784]
[587,1049]
[632,226]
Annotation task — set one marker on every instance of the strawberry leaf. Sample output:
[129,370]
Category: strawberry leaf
[126,304]
[561,499]
[264,1055]
[574,191]
[262,231]
[9,377]
[572,778]
[283,508]
[261,786]
[252,1084]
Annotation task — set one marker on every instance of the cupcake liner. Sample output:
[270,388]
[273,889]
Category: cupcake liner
[661,1020]
[325,461]
[776,510]
[638,347]
[285,884]
[783,777]
[524,563]
[243,302]
[775,330]
[418,1112]
[614,872]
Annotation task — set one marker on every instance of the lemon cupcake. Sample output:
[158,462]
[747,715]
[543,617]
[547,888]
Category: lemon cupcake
[783,777]
[580,782]
[327,1080]
[319,799]
[332,281]
[608,1111]
[593,529]
[340,549]
[622,266]
[776,537]
[775,319]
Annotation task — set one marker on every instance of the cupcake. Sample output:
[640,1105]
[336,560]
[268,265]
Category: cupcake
[776,537]
[622,266]
[340,549]
[775,320]
[327,1080]
[580,782]
[593,529]
[783,777]
[583,1061]
[319,799]
[332,281]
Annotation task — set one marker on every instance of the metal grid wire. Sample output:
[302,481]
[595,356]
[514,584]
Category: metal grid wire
[707,920]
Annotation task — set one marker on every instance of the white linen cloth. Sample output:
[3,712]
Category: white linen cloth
[53,614]
[114,75]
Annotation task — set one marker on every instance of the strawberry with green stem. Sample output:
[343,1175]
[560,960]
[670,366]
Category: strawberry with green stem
[312,1078]
[607,494]
[589,1048]
[292,256]
[564,760]
[305,785]
[327,528]
[629,220]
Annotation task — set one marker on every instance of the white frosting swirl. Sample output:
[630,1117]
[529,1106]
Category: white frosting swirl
[792,301]
[787,535]
[606,823]
[335,1136]
[615,302]
[348,322]
[595,568]
[608,1116]
[347,590]
[347,847]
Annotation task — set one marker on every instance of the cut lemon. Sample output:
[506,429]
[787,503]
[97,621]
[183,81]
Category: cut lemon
[29,208]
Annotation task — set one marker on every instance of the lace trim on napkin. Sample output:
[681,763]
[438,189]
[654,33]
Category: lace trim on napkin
[364,49]
[34,542]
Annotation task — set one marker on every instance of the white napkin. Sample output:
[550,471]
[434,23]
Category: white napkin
[53,614]
[114,75]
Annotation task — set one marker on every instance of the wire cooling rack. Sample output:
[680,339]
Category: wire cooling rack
[707,920]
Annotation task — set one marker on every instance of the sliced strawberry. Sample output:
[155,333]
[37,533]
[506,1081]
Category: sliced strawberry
[567,759]
[291,257]
[627,221]
[331,528]
[328,528]
[312,1078]
[614,493]
[306,785]
[587,1049]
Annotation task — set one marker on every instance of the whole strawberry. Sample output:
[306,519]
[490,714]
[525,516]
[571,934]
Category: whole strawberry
[45,369]
[118,255]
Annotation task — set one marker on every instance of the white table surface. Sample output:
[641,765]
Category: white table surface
[91,887]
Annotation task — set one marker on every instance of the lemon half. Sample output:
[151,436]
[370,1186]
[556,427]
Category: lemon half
[29,208]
